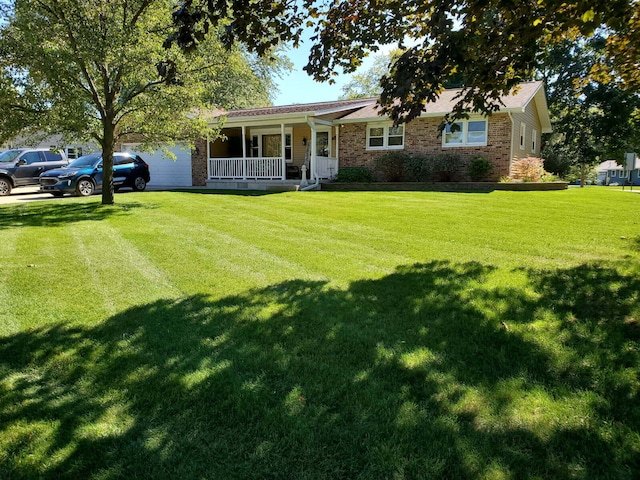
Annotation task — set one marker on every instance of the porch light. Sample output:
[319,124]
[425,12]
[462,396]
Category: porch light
[304,141]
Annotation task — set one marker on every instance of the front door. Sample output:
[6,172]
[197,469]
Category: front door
[326,167]
[271,145]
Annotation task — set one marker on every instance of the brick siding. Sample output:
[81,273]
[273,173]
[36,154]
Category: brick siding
[421,137]
[199,163]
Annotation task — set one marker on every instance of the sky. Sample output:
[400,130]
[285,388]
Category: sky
[298,87]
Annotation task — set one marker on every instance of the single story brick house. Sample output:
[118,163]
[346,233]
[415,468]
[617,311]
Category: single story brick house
[274,145]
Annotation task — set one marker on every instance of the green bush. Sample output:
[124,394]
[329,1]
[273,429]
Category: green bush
[418,168]
[354,175]
[389,167]
[479,168]
[446,167]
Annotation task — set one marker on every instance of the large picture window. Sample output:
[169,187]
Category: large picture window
[267,142]
[385,137]
[465,132]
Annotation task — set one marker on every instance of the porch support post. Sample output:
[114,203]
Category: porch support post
[337,127]
[208,157]
[312,159]
[282,150]
[244,152]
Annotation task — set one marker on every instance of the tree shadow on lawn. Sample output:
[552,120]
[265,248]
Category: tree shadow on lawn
[62,213]
[425,373]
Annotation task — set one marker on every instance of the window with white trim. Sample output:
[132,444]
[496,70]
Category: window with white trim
[523,131]
[255,146]
[268,142]
[534,140]
[288,153]
[385,136]
[74,152]
[465,132]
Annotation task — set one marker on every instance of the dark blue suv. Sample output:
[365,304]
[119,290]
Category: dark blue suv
[83,176]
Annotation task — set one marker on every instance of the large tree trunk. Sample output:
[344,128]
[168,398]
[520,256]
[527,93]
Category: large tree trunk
[107,163]
[583,175]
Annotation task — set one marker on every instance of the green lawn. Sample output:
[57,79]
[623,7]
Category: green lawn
[322,336]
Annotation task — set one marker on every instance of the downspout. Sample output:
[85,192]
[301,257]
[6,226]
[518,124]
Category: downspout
[315,185]
[511,154]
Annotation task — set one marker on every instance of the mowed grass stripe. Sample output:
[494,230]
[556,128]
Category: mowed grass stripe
[113,273]
[11,266]
[304,242]
[385,223]
[221,260]
[362,244]
[36,273]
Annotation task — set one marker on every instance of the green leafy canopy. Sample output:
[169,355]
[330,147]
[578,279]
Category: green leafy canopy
[97,70]
[491,44]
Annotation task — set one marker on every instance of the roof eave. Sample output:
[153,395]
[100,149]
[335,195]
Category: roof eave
[260,119]
[301,116]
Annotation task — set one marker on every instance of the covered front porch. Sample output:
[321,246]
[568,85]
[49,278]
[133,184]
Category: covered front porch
[290,152]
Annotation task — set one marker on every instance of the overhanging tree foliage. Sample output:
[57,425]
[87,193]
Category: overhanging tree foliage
[367,83]
[593,120]
[97,69]
[491,44]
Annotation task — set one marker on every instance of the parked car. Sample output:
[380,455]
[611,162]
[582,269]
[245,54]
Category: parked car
[22,166]
[83,176]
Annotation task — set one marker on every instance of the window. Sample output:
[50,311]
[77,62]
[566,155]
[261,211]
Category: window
[255,149]
[287,147]
[523,130]
[476,132]
[385,137]
[396,136]
[122,159]
[52,156]
[453,134]
[267,142]
[322,144]
[31,157]
[74,152]
[465,132]
[534,140]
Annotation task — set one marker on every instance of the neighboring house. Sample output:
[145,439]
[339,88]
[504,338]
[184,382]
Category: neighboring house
[72,150]
[611,173]
[269,146]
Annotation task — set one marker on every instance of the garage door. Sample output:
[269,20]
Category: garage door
[164,171]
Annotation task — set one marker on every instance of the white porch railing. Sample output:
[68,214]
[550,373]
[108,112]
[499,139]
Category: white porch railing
[267,168]
[327,167]
[263,168]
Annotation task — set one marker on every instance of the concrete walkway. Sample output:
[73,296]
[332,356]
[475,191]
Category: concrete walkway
[24,194]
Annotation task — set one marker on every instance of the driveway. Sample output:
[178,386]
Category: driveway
[24,194]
